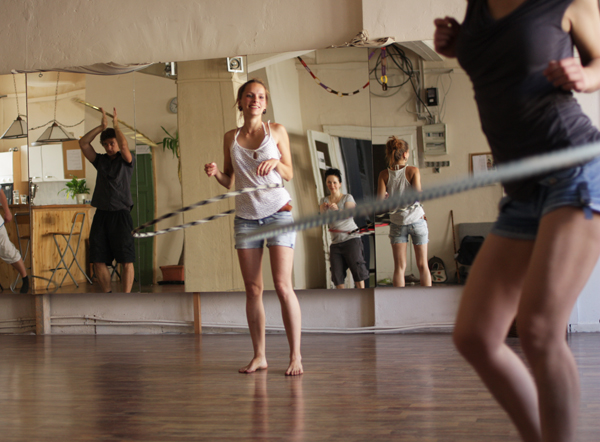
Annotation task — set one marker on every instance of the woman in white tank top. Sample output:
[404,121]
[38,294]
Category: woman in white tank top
[259,154]
[408,220]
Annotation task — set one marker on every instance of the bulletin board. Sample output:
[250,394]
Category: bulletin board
[73,159]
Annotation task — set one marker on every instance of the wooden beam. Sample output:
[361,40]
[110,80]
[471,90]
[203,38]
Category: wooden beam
[42,314]
[197,314]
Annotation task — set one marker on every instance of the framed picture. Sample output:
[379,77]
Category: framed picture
[481,163]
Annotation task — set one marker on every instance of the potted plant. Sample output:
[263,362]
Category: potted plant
[173,274]
[77,189]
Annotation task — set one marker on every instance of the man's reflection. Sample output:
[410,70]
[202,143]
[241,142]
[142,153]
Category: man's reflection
[110,235]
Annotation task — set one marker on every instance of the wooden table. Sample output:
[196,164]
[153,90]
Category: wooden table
[47,220]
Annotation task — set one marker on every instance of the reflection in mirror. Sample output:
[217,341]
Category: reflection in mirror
[53,164]
[157,176]
[338,128]
[13,180]
[427,95]
[302,107]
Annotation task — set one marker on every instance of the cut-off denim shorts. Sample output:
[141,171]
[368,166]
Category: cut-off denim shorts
[242,226]
[418,231]
[577,186]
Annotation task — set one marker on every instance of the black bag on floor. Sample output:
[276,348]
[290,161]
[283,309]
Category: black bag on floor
[469,246]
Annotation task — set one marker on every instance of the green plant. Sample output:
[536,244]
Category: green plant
[75,187]
[171,142]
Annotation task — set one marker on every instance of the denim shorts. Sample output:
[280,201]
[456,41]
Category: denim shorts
[418,232]
[577,186]
[242,226]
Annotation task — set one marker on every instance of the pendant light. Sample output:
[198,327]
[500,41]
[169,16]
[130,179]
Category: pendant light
[55,133]
[18,129]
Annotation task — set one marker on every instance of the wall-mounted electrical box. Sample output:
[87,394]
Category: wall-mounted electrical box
[434,139]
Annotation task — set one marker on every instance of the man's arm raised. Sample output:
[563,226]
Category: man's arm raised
[121,140]
[85,143]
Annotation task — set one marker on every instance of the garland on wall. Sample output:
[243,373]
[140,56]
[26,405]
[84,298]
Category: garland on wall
[327,88]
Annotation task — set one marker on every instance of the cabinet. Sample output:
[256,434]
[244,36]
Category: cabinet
[45,162]
[10,171]
[6,167]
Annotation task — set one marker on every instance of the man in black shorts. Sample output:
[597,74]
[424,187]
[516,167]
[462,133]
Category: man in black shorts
[110,235]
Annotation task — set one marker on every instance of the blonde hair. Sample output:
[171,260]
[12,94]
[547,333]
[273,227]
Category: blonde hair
[395,148]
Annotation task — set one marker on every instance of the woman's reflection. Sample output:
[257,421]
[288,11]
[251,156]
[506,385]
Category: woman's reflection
[285,413]
[346,250]
[408,220]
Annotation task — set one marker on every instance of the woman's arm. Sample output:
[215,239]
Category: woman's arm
[284,164]
[582,20]
[227,177]
[414,177]
[382,184]
[350,204]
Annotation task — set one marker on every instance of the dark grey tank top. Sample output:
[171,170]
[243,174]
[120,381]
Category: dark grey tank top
[522,114]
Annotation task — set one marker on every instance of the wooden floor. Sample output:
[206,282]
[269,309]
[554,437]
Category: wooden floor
[186,388]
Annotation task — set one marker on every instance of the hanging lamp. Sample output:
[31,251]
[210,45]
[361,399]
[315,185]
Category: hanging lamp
[18,129]
[55,133]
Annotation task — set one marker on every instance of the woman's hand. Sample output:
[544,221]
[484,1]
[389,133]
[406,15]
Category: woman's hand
[211,169]
[445,36]
[332,206]
[567,74]
[266,167]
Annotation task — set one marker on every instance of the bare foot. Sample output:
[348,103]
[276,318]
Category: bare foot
[255,364]
[294,369]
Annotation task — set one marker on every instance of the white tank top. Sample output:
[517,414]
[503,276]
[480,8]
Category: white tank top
[262,203]
[396,185]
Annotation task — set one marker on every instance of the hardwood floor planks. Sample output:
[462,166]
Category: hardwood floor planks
[405,387]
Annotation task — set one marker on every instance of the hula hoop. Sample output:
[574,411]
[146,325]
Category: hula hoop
[525,168]
[136,232]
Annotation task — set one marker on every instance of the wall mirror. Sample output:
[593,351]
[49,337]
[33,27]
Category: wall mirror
[414,68]
[316,120]
[60,98]
[13,174]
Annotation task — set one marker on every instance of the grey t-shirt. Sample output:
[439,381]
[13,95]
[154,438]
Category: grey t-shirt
[112,190]
[345,225]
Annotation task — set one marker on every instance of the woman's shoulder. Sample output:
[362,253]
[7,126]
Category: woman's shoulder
[411,173]
[384,174]
[230,136]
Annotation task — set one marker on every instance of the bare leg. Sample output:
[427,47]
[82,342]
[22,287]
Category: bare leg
[251,266]
[421,257]
[565,253]
[487,309]
[127,276]
[103,276]
[341,286]
[399,253]
[282,260]
[20,267]
[359,284]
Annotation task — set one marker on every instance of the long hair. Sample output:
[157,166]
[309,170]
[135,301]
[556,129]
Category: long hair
[395,148]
